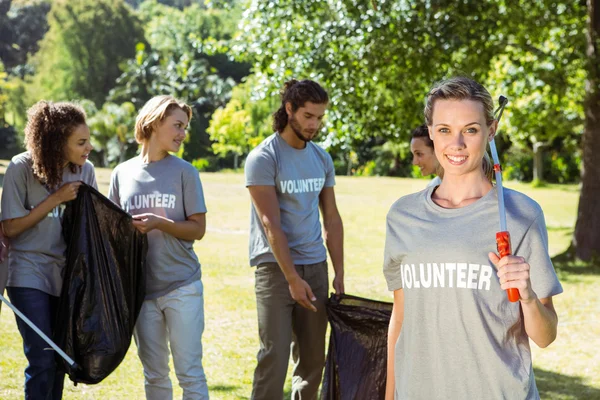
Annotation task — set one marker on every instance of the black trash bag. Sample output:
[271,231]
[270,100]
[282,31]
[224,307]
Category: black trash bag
[356,364]
[103,286]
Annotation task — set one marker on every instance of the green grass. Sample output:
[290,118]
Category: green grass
[568,369]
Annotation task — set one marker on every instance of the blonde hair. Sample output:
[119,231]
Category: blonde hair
[155,111]
[462,88]
[459,88]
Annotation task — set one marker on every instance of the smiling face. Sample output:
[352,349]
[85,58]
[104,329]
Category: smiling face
[78,147]
[170,132]
[423,156]
[460,135]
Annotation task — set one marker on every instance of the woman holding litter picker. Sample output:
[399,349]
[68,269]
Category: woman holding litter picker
[164,195]
[453,333]
[36,185]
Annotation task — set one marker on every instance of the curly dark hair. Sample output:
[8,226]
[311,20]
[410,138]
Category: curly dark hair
[49,126]
[297,93]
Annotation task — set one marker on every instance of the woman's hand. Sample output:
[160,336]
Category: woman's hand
[67,192]
[513,272]
[146,222]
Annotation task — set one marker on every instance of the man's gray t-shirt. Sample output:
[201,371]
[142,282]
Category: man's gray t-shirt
[169,188]
[37,256]
[461,338]
[298,175]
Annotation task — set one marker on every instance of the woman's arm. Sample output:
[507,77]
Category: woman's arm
[191,229]
[541,321]
[393,333]
[15,226]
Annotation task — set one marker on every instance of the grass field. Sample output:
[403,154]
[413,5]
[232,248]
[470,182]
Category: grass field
[568,369]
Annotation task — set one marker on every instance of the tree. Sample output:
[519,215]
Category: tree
[379,64]
[186,57]
[586,238]
[8,135]
[242,124]
[540,69]
[21,28]
[112,130]
[80,55]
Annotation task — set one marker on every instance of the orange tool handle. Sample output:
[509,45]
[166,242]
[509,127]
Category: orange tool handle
[503,245]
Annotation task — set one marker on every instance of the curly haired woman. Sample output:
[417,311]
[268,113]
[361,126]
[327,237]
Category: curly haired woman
[36,185]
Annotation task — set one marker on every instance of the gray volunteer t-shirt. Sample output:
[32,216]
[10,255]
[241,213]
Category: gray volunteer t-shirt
[37,256]
[461,338]
[298,175]
[435,182]
[169,188]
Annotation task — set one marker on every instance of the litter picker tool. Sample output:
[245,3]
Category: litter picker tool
[502,237]
[39,332]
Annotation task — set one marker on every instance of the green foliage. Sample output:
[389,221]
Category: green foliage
[21,27]
[9,142]
[536,183]
[112,129]
[242,124]
[79,56]
[187,58]
[368,169]
[518,164]
[541,71]
[378,65]
[201,164]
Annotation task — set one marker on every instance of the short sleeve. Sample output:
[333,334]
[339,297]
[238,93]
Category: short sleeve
[113,188]
[14,191]
[260,168]
[391,260]
[534,248]
[330,172]
[89,176]
[193,195]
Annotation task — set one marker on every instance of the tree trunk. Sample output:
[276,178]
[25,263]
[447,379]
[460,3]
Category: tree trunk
[538,161]
[122,152]
[236,160]
[586,239]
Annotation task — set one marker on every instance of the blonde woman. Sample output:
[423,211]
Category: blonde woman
[164,195]
[453,333]
[421,147]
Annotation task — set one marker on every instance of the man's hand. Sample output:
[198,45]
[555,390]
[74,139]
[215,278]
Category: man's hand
[302,293]
[146,222]
[338,283]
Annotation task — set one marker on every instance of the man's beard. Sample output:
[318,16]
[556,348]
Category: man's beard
[298,130]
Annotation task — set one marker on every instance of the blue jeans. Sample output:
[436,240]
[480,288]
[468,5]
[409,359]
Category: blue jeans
[42,379]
